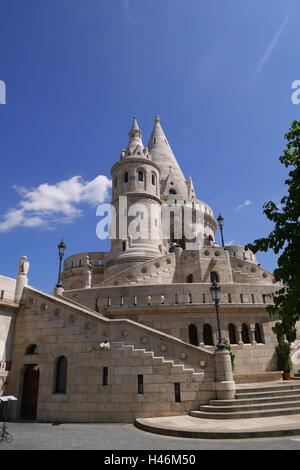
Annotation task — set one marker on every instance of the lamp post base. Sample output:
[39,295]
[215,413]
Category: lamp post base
[224,383]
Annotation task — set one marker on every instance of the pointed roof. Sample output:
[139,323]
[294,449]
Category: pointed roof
[163,155]
[135,145]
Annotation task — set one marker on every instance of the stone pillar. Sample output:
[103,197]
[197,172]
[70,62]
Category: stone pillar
[22,281]
[239,335]
[224,383]
[252,335]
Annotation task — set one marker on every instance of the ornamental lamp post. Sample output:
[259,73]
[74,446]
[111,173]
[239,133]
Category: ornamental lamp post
[215,295]
[220,220]
[61,251]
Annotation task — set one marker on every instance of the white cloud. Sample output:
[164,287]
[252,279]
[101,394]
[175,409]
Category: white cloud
[241,206]
[49,204]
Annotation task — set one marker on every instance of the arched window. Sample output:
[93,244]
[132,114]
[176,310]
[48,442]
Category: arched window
[172,191]
[232,333]
[193,335]
[140,176]
[61,375]
[153,179]
[207,335]
[214,277]
[245,333]
[126,177]
[190,278]
[31,349]
[257,333]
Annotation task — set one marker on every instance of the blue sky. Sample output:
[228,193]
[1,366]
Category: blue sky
[219,74]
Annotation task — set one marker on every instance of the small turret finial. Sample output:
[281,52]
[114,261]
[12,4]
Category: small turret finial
[157,118]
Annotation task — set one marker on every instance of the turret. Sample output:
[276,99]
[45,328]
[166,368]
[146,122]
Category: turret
[136,199]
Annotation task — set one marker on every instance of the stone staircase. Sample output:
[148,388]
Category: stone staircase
[257,402]
[174,367]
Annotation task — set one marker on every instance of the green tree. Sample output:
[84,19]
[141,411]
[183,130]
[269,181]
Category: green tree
[285,239]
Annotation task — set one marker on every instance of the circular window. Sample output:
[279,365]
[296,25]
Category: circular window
[157,265]
[253,270]
[144,270]
[129,276]
[206,252]
[217,253]
[265,275]
[168,261]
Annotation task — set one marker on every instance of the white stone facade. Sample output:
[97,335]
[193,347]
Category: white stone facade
[140,341]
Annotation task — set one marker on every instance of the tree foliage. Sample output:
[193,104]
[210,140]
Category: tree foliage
[285,239]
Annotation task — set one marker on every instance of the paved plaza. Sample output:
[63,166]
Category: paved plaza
[47,436]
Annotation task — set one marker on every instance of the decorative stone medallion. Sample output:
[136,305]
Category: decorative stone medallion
[163,347]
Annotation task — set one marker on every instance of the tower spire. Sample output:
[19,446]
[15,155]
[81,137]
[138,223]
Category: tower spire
[135,147]
[135,135]
[172,178]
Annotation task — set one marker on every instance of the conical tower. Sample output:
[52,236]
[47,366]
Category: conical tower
[172,180]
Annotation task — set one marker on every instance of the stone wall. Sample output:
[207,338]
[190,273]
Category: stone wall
[61,328]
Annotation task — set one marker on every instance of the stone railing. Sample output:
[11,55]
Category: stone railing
[98,328]
[152,268]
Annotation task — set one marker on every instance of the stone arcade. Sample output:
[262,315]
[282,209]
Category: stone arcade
[132,333]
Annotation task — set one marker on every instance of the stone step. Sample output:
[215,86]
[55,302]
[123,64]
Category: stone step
[249,401]
[280,386]
[251,407]
[246,414]
[279,393]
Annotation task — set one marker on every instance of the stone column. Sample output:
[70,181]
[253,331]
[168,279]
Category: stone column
[22,278]
[252,335]
[239,335]
[224,383]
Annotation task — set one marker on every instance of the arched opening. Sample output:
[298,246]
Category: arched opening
[190,278]
[126,177]
[232,333]
[31,349]
[214,277]
[207,335]
[172,191]
[30,392]
[258,333]
[140,175]
[153,179]
[245,333]
[193,335]
[61,375]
